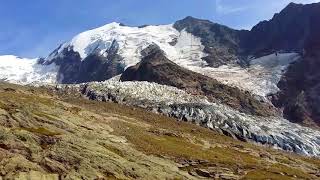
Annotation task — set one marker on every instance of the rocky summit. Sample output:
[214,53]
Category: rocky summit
[189,100]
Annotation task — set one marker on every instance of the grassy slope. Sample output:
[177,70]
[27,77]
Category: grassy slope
[49,135]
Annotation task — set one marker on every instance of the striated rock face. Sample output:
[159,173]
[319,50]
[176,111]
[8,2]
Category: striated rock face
[271,131]
[155,67]
[37,175]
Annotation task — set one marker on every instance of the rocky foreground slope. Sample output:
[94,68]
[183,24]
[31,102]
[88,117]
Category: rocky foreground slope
[51,135]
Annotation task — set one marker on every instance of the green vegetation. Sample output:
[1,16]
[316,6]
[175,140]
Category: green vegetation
[41,131]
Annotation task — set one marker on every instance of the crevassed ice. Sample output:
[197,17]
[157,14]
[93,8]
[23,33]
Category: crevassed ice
[307,139]
[142,90]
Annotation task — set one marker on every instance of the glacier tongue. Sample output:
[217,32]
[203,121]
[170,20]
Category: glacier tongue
[272,131]
[26,71]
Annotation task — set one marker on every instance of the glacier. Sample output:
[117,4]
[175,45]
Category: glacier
[276,132]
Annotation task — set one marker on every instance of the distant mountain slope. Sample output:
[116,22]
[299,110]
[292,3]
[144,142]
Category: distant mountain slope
[94,67]
[296,28]
[106,51]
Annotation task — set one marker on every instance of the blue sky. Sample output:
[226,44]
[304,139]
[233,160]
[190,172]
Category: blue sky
[32,28]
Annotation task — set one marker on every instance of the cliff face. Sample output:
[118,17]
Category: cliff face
[300,87]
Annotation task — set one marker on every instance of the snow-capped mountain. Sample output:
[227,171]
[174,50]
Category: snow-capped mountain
[99,45]
[132,40]
[276,62]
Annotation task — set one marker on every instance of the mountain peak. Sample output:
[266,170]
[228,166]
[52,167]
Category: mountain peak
[294,7]
[190,19]
[291,7]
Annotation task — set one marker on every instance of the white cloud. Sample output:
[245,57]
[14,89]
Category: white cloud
[225,8]
[244,14]
[304,1]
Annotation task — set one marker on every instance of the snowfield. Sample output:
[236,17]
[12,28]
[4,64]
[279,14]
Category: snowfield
[26,71]
[132,40]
